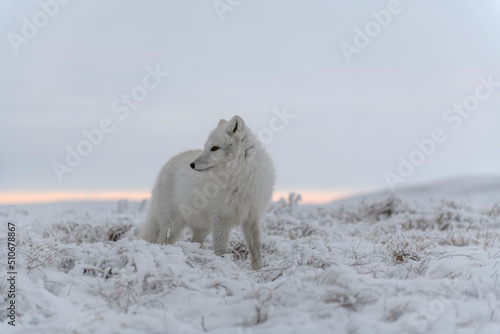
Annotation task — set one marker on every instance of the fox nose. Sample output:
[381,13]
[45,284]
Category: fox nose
[192,165]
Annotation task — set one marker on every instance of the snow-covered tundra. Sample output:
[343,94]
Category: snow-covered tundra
[229,183]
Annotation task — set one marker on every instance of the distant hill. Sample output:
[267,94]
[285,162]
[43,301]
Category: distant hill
[482,191]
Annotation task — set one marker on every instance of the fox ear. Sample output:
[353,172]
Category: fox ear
[222,122]
[235,125]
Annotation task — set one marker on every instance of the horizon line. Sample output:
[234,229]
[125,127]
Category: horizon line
[47,197]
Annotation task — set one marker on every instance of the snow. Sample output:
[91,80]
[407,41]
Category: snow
[423,261]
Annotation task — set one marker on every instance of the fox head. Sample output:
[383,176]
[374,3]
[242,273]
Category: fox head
[226,144]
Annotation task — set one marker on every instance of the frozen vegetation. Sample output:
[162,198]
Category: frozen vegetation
[425,260]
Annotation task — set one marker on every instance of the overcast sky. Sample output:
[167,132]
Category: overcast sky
[359,101]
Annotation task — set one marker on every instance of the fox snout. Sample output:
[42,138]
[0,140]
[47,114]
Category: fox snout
[198,168]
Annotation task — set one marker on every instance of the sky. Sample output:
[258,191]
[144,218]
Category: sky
[349,97]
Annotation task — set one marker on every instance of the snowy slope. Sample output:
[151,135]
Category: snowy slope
[478,191]
[388,265]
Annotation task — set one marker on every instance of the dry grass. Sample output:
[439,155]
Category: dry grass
[71,232]
[238,250]
[402,250]
[395,313]
[39,257]
[302,249]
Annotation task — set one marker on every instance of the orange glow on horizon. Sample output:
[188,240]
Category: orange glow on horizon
[313,197]
[20,197]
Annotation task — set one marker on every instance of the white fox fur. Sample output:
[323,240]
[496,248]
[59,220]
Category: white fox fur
[227,184]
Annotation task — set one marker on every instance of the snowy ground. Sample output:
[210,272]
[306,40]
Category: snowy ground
[387,265]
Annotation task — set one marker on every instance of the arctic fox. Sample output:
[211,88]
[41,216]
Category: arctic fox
[227,184]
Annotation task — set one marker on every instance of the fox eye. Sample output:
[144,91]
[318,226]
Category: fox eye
[214,148]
